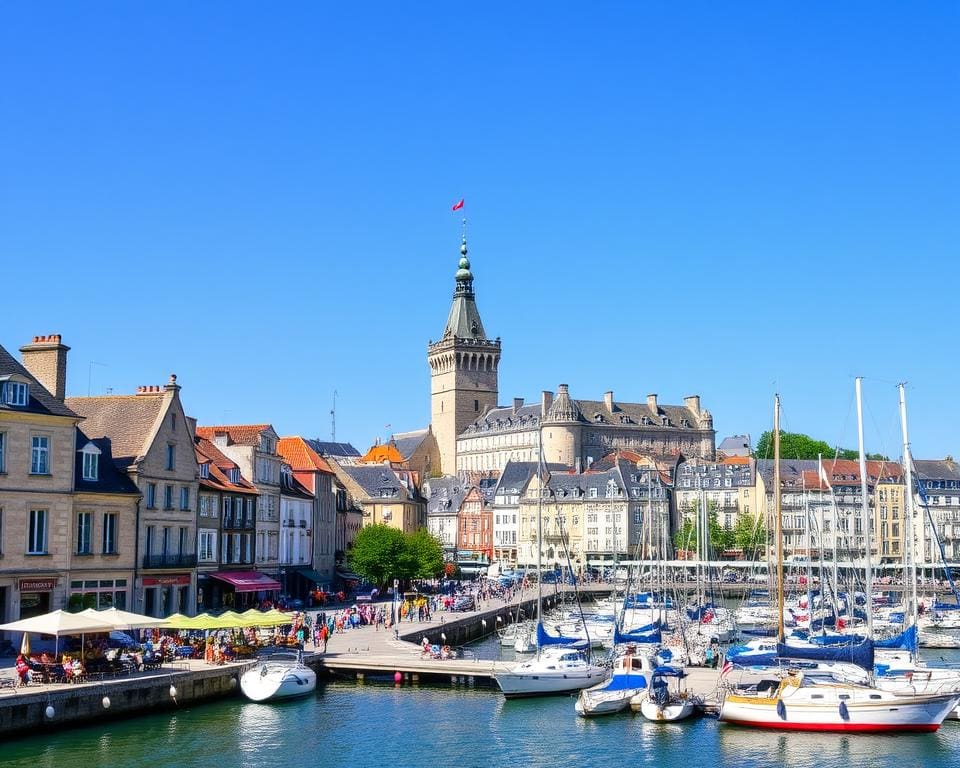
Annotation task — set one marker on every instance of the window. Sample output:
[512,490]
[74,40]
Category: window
[227,506]
[166,541]
[476,405]
[204,471]
[91,462]
[234,474]
[184,498]
[3,443]
[37,532]
[15,393]
[171,456]
[168,497]
[105,593]
[109,533]
[84,526]
[150,539]
[40,457]
[1,530]
[207,545]
[151,495]
[183,542]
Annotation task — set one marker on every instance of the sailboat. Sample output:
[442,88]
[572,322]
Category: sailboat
[799,702]
[559,665]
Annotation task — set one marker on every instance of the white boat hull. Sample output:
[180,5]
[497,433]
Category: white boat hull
[270,682]
[674,710]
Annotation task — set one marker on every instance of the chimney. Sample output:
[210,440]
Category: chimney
[652,403]
[172,385]
[517,404]
[578,466]
[608,400]
[191,425]
[693,403]
[546,400]
[46,360]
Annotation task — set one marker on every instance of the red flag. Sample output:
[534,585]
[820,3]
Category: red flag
[457,206]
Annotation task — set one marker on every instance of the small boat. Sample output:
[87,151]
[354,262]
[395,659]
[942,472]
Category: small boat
[555,669]
[631,675]
[279,676]
[661,705]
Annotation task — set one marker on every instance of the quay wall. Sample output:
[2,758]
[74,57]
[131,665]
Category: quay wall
[24,712]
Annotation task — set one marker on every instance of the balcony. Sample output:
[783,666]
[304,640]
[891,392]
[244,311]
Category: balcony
[170,561]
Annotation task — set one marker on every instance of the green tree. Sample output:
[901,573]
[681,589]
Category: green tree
[426,554]
[795,445]
[686,537]
[380,554]
[750,535]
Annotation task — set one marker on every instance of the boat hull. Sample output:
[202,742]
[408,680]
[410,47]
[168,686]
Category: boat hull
[920,714]
[515,686]
[276,683]
[675,710]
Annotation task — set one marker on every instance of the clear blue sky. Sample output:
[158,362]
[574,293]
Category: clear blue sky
[718,199]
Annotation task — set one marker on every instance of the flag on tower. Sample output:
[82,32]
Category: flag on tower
[457,206]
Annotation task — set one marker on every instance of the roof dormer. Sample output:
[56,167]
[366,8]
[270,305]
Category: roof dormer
[91,462]
[14,390]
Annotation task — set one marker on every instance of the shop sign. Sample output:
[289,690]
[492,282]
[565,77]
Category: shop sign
[154,581]
[37,585]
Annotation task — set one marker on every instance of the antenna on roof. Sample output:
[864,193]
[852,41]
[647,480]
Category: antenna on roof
[333,419]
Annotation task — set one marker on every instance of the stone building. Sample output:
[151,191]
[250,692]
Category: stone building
[940,480]
[296,527]
[475,527]
[387,496]
[313,472]
[38,443]
[226,531]
[444,496]
[254,448]
[463,369]
[728,488]
[152,441]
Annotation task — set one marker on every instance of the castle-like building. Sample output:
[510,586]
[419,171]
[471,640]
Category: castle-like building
[474,434]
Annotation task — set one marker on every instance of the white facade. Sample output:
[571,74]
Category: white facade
[295,518]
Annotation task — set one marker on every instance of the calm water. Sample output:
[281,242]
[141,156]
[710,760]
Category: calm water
[373,724]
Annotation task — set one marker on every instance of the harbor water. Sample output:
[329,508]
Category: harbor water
[376,723]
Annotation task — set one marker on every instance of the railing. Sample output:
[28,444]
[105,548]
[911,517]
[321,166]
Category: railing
[170,561]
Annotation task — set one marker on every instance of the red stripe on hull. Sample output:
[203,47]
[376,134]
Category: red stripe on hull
[838,727]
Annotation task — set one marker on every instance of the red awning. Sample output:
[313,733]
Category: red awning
[247,581]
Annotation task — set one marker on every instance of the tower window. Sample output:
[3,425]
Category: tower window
[476,405]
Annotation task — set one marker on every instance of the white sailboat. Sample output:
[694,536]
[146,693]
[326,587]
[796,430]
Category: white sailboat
[279,676]
[661,705]
[631,676]
[798,702]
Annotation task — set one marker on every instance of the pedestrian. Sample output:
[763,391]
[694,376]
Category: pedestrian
[324,636]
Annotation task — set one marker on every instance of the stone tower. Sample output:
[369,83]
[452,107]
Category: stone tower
[463,369]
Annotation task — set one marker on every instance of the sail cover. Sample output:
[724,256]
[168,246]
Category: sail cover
[860,654]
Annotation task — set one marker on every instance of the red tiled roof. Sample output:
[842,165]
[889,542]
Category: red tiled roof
[219,469]
[736,460]
[241,434]
[381,453]
[300,456]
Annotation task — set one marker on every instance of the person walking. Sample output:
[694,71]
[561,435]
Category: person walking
[324,636]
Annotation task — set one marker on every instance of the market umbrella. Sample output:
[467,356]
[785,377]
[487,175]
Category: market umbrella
[255,618]
[179,621]
[25,644]
[59,623]
[124,619]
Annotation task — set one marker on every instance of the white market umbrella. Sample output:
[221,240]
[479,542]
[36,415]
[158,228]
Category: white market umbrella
[59,623]
[123,619]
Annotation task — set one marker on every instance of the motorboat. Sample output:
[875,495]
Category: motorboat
[661,705]
[555,669]
[278,676]
[631,675]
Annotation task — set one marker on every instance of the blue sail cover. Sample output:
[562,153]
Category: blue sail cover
[860,654]
[906,640]
[744,656]
[544,639]
[837,639]
[625,682]
[636,636]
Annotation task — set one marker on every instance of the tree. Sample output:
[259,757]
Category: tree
[426,553]
[750,535]
[379,554]
[686,537]
[795,445]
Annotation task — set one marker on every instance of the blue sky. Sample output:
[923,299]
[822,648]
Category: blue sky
[715,200]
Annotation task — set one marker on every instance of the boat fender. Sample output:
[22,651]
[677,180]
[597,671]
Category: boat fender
[844,712]
[781,709]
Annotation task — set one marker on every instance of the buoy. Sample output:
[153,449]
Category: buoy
[106,702]
[397,677]
[49,712]
[173,692]
[483,622]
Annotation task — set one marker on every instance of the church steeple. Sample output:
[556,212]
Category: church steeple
[464,319]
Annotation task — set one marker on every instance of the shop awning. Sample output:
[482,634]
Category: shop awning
[247,581]
[347,575]
[311,575]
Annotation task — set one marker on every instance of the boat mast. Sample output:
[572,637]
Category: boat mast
[809,537]
[777,513]
[539,530]
[865,512]
[910,566]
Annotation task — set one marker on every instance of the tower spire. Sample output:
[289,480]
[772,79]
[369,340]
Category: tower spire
[464,275]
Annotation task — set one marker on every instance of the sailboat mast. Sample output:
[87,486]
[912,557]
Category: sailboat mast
[910,570]
[777,513]
[865,512]
[539,531]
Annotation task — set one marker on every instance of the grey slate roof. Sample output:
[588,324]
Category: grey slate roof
[408,442]
[791,470]
[126,419]
[505,419]
[735,445]
[376,480]
[937,470]
[516,475]
[41,401]
[740,475]
[109,478]
[342,450]
[446,495]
